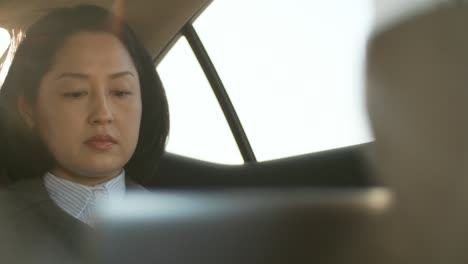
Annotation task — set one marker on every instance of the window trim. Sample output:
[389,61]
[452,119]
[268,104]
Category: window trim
[218,88]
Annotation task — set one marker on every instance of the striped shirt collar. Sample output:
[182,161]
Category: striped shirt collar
[79,200]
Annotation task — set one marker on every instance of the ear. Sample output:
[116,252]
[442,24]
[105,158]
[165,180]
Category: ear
[25,110]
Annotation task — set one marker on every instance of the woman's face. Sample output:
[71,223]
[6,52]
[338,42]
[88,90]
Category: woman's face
[88,108]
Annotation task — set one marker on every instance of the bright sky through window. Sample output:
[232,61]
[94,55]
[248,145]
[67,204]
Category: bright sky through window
[294,72]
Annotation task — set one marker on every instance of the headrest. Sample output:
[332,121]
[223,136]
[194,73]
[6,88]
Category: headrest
[417,96]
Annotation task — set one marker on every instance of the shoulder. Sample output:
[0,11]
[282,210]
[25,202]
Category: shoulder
[32,223]
[21,203]
[24,195]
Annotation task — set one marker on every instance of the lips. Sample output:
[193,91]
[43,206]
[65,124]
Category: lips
[101,142]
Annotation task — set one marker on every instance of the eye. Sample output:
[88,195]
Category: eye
[76,94]
[121,93]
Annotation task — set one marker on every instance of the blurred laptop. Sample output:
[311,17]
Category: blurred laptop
[242,226]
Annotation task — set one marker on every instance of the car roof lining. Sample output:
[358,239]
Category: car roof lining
[168,16]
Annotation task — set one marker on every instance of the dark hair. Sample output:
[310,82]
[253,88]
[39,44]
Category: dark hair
[27,155]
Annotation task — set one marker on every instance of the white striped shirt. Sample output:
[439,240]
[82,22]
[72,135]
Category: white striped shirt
[80,200]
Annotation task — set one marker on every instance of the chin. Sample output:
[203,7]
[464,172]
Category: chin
[103,173]
[104,168]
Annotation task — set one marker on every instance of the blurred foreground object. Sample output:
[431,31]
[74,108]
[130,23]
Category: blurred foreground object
[417,87]
[290,225]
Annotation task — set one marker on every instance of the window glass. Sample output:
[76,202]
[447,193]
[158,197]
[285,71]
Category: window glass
[4,40]
[4,43]
[292,69]
[198,126]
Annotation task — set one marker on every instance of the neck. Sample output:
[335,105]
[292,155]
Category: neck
[83,179]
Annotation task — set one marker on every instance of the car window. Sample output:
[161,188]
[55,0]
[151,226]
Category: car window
[293,71]
[198,127]
[4,43]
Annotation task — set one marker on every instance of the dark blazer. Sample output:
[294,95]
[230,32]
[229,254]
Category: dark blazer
[38,231]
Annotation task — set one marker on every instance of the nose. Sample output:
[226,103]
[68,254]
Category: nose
[100,113]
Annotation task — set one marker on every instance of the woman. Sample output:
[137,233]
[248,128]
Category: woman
[85,116]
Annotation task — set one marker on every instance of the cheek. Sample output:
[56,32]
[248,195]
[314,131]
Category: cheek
[58,135]
[57,126]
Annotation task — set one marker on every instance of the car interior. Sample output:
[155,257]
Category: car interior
[344,167]
[160,23]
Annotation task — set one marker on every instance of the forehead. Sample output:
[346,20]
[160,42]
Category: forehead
[91,52]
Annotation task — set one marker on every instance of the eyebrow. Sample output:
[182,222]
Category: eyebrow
[77,75]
